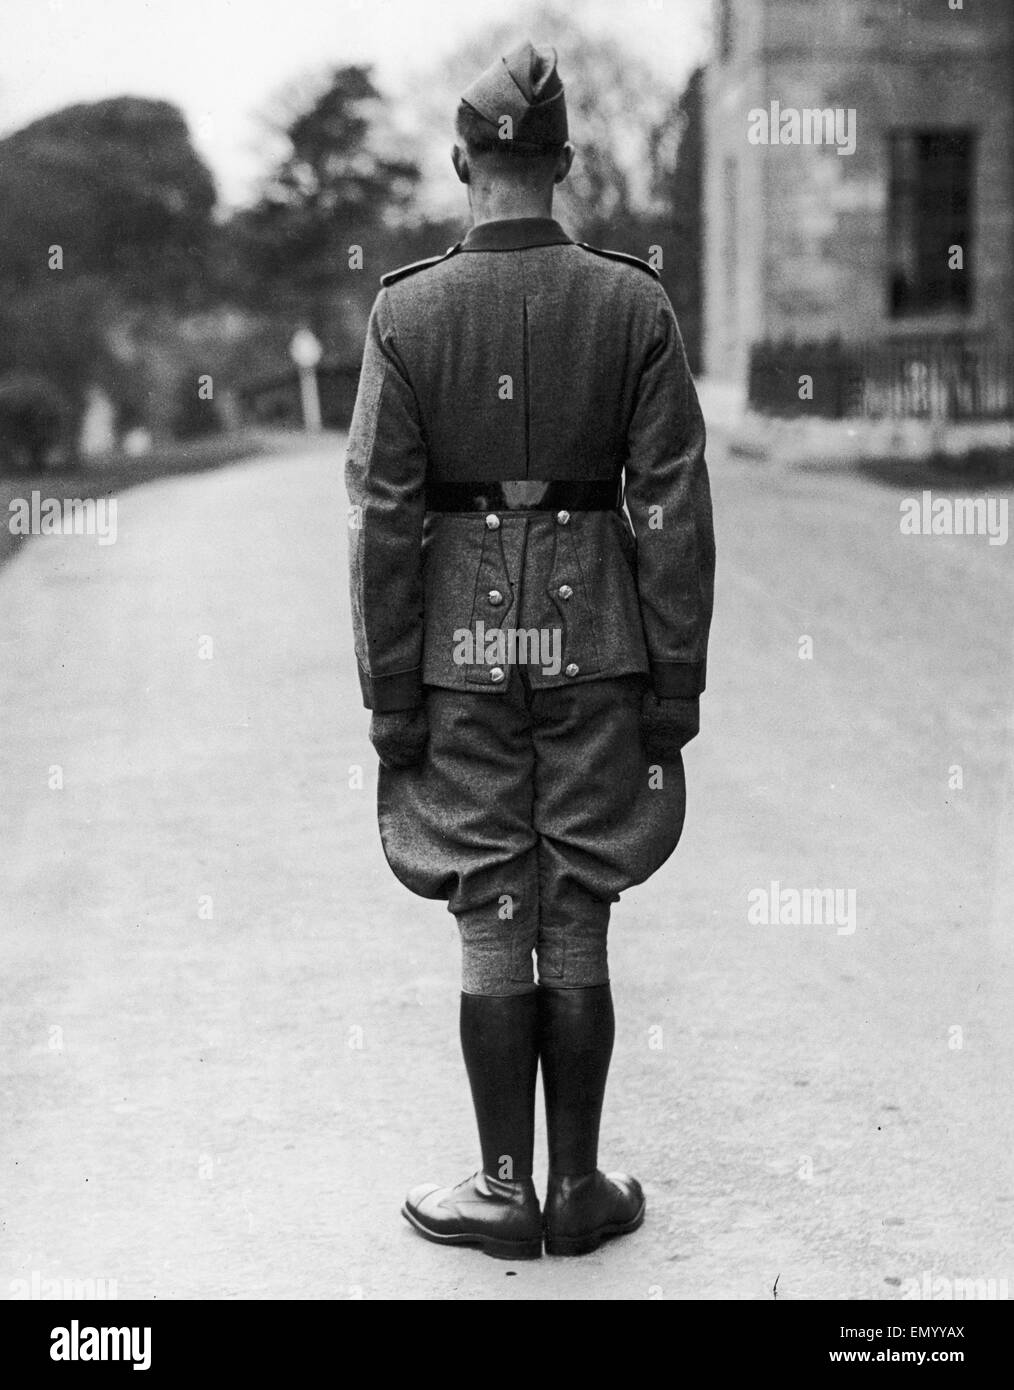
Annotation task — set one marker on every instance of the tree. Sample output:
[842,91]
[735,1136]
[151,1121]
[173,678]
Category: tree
[33,416]
[118,187]
[105,210]
[335,188]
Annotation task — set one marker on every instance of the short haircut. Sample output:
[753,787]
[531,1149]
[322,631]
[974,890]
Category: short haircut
[481,137]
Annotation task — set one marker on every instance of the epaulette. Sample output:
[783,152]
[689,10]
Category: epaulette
[393,276]
[620,256]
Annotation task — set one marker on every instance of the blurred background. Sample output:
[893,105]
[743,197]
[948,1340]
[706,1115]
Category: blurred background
[206,171]
[182,186]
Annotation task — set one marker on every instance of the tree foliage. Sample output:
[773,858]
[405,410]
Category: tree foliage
[105,208]
[335,187]
[33,415]
[153,289]
[119,188]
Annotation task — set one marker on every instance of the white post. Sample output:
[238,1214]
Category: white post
[310,396]
[306,352]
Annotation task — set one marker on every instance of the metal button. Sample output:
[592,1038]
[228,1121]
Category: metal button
[572,669]
[565,591]
[496,675]
[493,522]
[495,597]
[563,517]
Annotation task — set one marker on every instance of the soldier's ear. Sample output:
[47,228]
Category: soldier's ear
[459,158]
[563,162]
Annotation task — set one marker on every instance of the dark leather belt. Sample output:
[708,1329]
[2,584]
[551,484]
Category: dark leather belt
[525,495]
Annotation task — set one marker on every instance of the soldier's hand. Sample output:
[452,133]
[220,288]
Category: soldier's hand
[400,736]
[668,725]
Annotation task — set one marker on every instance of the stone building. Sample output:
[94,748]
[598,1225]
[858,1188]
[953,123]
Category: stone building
[859,187]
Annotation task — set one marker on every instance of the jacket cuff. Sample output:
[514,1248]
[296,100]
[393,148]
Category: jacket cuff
[678,680]
[387,694]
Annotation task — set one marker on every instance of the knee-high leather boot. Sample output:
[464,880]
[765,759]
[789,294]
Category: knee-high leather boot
[497,1208]
[583,1206]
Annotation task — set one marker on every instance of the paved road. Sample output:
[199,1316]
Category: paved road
[230,1044]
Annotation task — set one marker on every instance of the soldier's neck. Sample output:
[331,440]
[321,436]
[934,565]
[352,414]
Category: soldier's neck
[500,204]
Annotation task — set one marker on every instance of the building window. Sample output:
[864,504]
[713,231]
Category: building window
[724,30]
[929,213]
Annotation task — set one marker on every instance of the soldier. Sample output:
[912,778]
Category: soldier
[532,657]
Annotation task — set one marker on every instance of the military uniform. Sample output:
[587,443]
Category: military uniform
[521,358]
[526,456]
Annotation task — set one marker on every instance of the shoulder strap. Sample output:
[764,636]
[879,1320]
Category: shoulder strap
[620,256]
[393,276]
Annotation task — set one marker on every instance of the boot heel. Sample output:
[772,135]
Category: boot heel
[573,1245]
[512,1249]
[582,1213]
